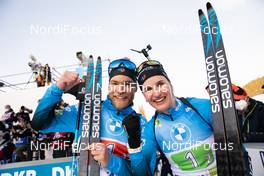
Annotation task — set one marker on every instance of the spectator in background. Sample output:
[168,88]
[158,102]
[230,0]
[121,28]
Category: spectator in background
[24,113]
[38,139]
[23,136]
[6,145]
[251,115]
[9,115]
[61,144]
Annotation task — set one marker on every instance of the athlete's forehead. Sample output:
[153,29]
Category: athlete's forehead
[121,79]
[155,80]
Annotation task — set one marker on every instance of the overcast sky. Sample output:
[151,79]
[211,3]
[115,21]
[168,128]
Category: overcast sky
[54,30]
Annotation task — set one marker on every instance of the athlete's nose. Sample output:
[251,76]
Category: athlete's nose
[156,92]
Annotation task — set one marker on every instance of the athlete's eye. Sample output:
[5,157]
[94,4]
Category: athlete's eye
[127,83]
[160,83]
[114,83]
[147,89]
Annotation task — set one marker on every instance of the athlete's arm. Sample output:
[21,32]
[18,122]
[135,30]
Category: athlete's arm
[44,113]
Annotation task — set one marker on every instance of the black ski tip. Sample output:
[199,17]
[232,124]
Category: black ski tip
[200,12]
[209,5]
[99,57]
[91,56]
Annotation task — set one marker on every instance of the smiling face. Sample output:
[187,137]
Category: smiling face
[158,92]
[121,91]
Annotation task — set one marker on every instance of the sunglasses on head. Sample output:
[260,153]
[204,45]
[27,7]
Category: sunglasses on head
[147,64]
[125,63]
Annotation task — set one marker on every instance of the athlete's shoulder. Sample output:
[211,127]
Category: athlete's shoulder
[198,101]
[202,105]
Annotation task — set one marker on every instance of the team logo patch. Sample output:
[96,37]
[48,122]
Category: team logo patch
[180,133]
[114,127]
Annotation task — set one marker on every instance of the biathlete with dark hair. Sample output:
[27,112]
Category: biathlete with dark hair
[111,152]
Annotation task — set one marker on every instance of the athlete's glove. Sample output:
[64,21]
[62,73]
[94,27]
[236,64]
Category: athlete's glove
[132,126]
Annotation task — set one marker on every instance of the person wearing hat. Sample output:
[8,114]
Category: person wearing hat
[251,115]
[8,116]
[182,131]
[111,153]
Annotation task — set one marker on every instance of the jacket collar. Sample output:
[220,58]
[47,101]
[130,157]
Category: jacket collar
[177,106]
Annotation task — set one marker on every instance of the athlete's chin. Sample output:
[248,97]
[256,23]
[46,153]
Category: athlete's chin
[121,104]
[161,107]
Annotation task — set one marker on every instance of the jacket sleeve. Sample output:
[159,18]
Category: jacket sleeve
[143,160]
[44,111]
[118,166]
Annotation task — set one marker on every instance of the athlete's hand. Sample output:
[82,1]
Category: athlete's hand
[68,80]
[100,153]
[132,125]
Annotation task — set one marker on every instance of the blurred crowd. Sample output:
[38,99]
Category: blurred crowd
[19,142]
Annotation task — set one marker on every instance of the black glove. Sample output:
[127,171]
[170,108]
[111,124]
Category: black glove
[76,91]
[132,126]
